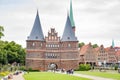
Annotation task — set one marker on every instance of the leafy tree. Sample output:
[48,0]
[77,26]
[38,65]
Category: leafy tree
[11,52]
[94,45]
[1,31]
[81,44]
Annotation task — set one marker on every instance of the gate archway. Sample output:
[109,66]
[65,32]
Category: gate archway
[52,66]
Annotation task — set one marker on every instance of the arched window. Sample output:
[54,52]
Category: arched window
[69,45]
[33,44]
[41,44]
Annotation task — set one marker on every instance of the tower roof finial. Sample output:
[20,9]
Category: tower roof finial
[71,15]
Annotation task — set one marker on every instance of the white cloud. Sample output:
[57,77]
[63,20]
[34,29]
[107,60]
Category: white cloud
[97,21]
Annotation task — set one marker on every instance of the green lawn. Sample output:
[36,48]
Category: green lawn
[106,74]
[50,76]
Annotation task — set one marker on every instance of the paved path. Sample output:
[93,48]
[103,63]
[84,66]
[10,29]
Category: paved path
[89,77]
[18,77]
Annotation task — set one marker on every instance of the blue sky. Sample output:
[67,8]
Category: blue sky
[97,21]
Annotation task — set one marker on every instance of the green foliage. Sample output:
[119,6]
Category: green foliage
[4,73]
[31,70]
[94,45]
[51,76]
[81,44]
[11,52]
[116,67]
[84,67]
[1,31]
[22,68]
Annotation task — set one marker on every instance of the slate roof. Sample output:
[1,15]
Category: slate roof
[68,34]
[36,33]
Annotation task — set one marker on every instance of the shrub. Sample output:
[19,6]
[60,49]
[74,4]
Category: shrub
[84,67]
[31,70]
[4,73]
[22,68]
[116,67]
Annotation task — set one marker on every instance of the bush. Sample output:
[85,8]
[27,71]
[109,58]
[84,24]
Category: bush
[31,70]
[116,67]
[22,68]
[84,67]
[4,73]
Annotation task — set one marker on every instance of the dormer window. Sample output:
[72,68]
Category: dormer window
[68,37]
[36,37]
[28,37]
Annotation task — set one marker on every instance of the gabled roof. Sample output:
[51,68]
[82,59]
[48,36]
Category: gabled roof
[36,33]
[118,52]
[68,34]
[109,49]
[97,49]
[84,49]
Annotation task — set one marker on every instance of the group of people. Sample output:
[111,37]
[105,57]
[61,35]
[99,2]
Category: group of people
[70,71]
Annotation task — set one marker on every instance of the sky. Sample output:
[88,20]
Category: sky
[96,21]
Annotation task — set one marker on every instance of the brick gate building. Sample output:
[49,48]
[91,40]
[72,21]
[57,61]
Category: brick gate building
[44,51]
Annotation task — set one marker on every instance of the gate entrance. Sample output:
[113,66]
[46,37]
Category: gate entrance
[52,66]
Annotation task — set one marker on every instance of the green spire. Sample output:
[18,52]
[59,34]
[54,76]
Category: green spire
[71,14]
[113,45]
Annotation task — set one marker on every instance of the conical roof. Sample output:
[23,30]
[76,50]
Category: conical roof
[36,33]
[68,34]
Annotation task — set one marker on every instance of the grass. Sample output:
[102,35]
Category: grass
[1,77]
[106,74]
[50,76]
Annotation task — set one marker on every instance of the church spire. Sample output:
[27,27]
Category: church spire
[113,45]
[68,34]
[71,15]
[36,33]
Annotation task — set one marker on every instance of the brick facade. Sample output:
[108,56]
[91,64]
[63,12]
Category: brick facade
[40,54]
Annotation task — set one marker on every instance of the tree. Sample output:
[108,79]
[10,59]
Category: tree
[1,31]
[81,44]
[94,45]
[11,52]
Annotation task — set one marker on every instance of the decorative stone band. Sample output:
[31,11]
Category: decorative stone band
[49,59]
